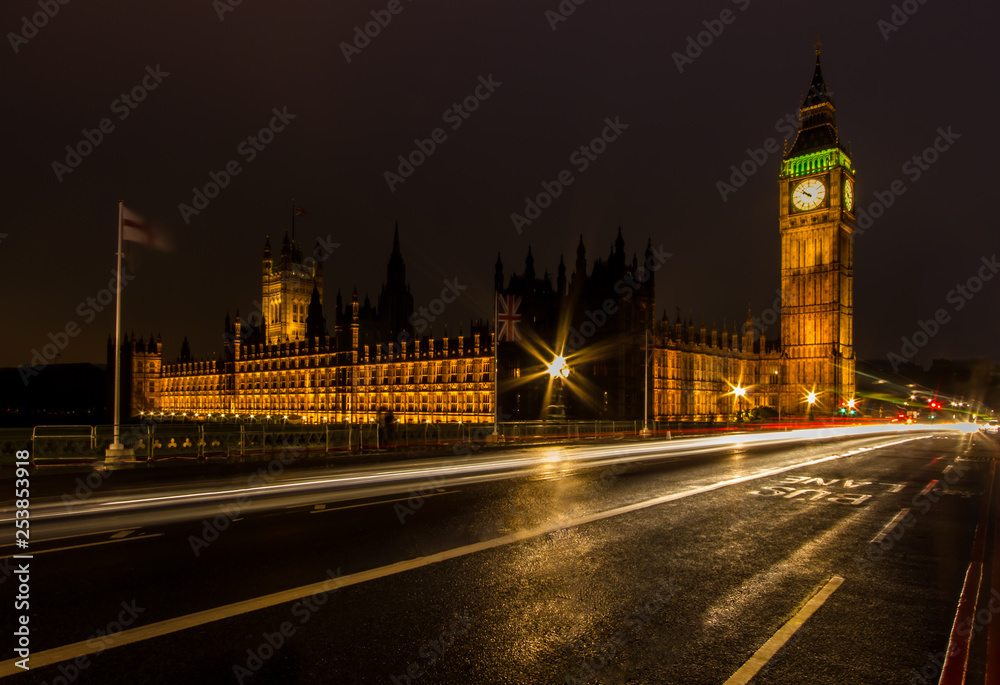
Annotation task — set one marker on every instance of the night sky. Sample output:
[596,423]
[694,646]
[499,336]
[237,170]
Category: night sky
[220,80]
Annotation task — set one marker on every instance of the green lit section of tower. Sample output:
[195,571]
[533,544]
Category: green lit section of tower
[814,162]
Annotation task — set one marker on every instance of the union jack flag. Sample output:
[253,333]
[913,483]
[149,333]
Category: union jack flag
[508,317]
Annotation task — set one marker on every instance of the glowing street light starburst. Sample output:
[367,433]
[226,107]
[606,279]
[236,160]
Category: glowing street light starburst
[558,368]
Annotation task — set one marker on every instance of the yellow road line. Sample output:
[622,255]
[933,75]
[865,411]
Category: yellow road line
[748,670]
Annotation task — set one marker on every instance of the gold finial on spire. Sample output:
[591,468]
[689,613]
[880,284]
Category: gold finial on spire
[819,46]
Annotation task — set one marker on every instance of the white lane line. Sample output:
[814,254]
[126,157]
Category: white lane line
[78,535]
[173,625]
[87,544]
[928,487]
[123,533]
[383,501]
[889,527]
[748,670]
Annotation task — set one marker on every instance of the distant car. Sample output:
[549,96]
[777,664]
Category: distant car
[992,427]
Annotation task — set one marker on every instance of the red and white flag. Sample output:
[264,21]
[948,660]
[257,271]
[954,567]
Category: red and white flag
[508,317]
[138,230]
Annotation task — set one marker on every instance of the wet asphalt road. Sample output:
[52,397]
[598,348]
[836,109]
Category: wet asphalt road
[681,591]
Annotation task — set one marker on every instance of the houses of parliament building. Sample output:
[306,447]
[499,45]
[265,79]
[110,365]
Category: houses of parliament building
[286,360]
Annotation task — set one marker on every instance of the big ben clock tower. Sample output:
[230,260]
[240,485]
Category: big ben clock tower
[816,189]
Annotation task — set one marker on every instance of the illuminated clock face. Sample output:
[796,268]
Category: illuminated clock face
[849,195]
[809,194]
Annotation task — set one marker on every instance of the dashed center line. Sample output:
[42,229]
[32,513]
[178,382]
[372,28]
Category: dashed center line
[112,532]
[889,527]
[321,508]
[89,544]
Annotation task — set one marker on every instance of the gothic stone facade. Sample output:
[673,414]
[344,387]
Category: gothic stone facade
[282,362]
[599,318]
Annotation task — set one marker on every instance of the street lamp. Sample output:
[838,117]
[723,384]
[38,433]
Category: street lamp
[558,368]
[558,371]
[740,392]
[811,399]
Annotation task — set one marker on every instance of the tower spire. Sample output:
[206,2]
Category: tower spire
[817,117]
[818,93]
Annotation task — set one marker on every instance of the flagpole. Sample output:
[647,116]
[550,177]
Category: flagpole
[118,329]
[293,219]
[645,398]
[496,369]
[117,451]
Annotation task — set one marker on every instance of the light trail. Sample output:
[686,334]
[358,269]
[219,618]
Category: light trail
[364,482]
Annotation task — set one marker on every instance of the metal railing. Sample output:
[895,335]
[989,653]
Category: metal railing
[153,442]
